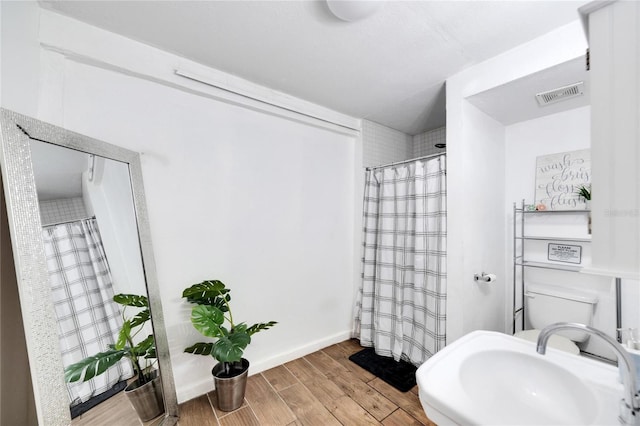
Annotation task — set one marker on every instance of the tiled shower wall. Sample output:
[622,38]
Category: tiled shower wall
[383,145]
[424,143]
[62,210]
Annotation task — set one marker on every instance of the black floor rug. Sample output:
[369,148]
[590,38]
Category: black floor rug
[83,407]
[401,375]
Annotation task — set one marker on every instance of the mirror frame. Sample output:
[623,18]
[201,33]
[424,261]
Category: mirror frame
[49,387]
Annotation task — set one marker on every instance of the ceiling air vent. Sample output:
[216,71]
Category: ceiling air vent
[560,94]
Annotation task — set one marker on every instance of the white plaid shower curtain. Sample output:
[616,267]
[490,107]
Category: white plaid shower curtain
[88,318]
[401,303]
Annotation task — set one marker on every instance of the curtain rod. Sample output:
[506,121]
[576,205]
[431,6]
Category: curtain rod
[193,77]
[406,161]
[67,221]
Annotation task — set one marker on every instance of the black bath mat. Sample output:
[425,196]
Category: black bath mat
[83,407]
[401,375]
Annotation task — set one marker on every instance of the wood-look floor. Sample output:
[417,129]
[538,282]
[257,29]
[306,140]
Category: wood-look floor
[115,411]
[323,388]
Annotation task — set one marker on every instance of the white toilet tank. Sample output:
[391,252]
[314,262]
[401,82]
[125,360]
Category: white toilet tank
[547,304]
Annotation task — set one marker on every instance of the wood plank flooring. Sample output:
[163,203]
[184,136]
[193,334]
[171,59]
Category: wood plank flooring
[322,388]
[116,410]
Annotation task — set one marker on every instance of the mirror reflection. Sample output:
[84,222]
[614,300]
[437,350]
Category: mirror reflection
[97,286]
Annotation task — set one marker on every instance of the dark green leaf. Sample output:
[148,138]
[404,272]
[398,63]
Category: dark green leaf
[143,347]
[210,292]
[231,347]
[140,318]
[584,192]
[239,328]
[207,320]
[200,349]
[261,326]
[131,300]
[92,366]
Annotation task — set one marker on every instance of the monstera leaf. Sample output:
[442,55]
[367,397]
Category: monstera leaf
[93,365]
[200,349]
[131,300]
[259,327]
[144,347]
[210,292]
[124,335]
[231,347]
[140,318]
[208,320]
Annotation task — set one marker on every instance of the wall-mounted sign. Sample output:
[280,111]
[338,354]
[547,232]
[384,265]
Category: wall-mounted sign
[558,177]
[565,253]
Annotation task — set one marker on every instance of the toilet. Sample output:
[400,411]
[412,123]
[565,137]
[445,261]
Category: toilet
[548,304]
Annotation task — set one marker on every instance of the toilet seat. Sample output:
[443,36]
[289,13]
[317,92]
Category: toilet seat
[555,341]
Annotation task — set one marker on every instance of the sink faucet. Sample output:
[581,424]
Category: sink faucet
[630,404]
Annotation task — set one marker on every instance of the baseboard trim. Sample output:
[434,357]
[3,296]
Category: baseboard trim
[206,385]
[274,361]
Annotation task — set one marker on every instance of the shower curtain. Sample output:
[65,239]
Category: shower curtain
[88,318]
[401,302]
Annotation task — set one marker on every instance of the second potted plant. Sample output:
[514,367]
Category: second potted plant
[584,191]
[212,317]
[145,392]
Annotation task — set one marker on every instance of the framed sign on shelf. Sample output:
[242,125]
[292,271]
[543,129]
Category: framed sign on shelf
[558,178]
[564,253]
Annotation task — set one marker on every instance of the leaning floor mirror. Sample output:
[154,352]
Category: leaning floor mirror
[90,302]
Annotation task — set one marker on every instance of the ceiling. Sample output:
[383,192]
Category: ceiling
[57,170]
[515,101]
[389,68]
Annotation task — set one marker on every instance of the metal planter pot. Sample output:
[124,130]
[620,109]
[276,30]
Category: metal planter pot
[230,387]
[147,400]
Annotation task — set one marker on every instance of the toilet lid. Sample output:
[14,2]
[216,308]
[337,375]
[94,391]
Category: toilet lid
[555,341]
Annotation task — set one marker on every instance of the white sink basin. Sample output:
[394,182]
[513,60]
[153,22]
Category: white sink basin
[492,378]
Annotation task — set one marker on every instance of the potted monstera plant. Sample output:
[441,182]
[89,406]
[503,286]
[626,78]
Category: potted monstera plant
[145,391]
[212,317]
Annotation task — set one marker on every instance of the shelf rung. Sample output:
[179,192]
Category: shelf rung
[554,266]
[572,239]
[555,211]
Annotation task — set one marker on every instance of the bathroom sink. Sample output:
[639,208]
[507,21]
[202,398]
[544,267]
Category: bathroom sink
[492,378]
[535,388]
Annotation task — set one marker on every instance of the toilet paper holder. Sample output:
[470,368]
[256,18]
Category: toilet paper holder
[485,278]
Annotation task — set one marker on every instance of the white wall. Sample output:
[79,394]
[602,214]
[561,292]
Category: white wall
[261,202]
[475,229]
[615,89]
[566,131]
[477,220]
[19,56]
[108,196]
